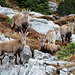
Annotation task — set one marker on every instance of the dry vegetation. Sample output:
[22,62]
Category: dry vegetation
[64,20]
[47,17]
[31,38]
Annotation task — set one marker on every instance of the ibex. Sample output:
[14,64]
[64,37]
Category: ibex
[49,48]
[20,22]
[15,46]
[66,32]
[51,36]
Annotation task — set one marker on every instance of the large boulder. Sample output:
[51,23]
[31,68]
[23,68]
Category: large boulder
[26,54]
[8,11]
[37,70]
[40,55]
[5,60]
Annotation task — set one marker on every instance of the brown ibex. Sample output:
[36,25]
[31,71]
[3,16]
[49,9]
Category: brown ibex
[20,22]
[49,48]
[15,46]
[51,36]
[66,32]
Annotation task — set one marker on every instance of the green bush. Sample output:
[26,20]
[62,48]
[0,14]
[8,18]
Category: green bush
[9,20]
[66,50]
[36,5]
[3,3]
[66,7]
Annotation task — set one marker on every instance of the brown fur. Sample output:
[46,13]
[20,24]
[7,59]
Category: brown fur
[20,22]
[51,36]
[66,32]
[15,47]
[49,48]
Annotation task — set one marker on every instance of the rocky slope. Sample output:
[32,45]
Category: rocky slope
[41,63]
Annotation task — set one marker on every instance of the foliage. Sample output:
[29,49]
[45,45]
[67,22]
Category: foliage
[36,5]
[3,17]
[3,3]
[65,20]
[66,50]
[66,7]
[9,20]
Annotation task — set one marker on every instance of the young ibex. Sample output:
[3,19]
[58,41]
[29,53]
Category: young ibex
[51,36]
[20,22]
[49,48]
[15,46]
[66,32]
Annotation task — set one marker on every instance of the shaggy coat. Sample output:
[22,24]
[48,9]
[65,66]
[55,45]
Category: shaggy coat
[51,36]
[66,33]
[50,48]
[15,47]
[20,22]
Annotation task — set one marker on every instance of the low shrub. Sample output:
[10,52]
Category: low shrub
[3,3]
[66,7]
[66,50]
[3,17]
[61,22]
[9,20]
[65,20]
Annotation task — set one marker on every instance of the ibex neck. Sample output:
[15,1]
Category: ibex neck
[42,48]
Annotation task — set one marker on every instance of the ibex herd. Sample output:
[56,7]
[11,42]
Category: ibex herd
[16,46]
[21,23]
[50,47]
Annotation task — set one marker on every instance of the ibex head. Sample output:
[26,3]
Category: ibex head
[71,25]
[23,37]
[56,29]
[25,13]
[42,40]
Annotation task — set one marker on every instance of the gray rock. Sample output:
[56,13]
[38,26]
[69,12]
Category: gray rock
[5,60]
[32,62]
[71,68]
[9,69]
[11,58]
[53,6]
[50,69]
[64,71]
[37,70]
[40,55]
[26,54]
[3,38]
[22,71]
[8,11]
[14,71]
[53,58]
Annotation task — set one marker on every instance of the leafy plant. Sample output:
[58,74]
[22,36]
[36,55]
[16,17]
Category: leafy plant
[9,20]
[36,5]
[66,50]
[66,7]
[3,3]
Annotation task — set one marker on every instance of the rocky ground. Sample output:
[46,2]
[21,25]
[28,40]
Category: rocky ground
[41,63]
